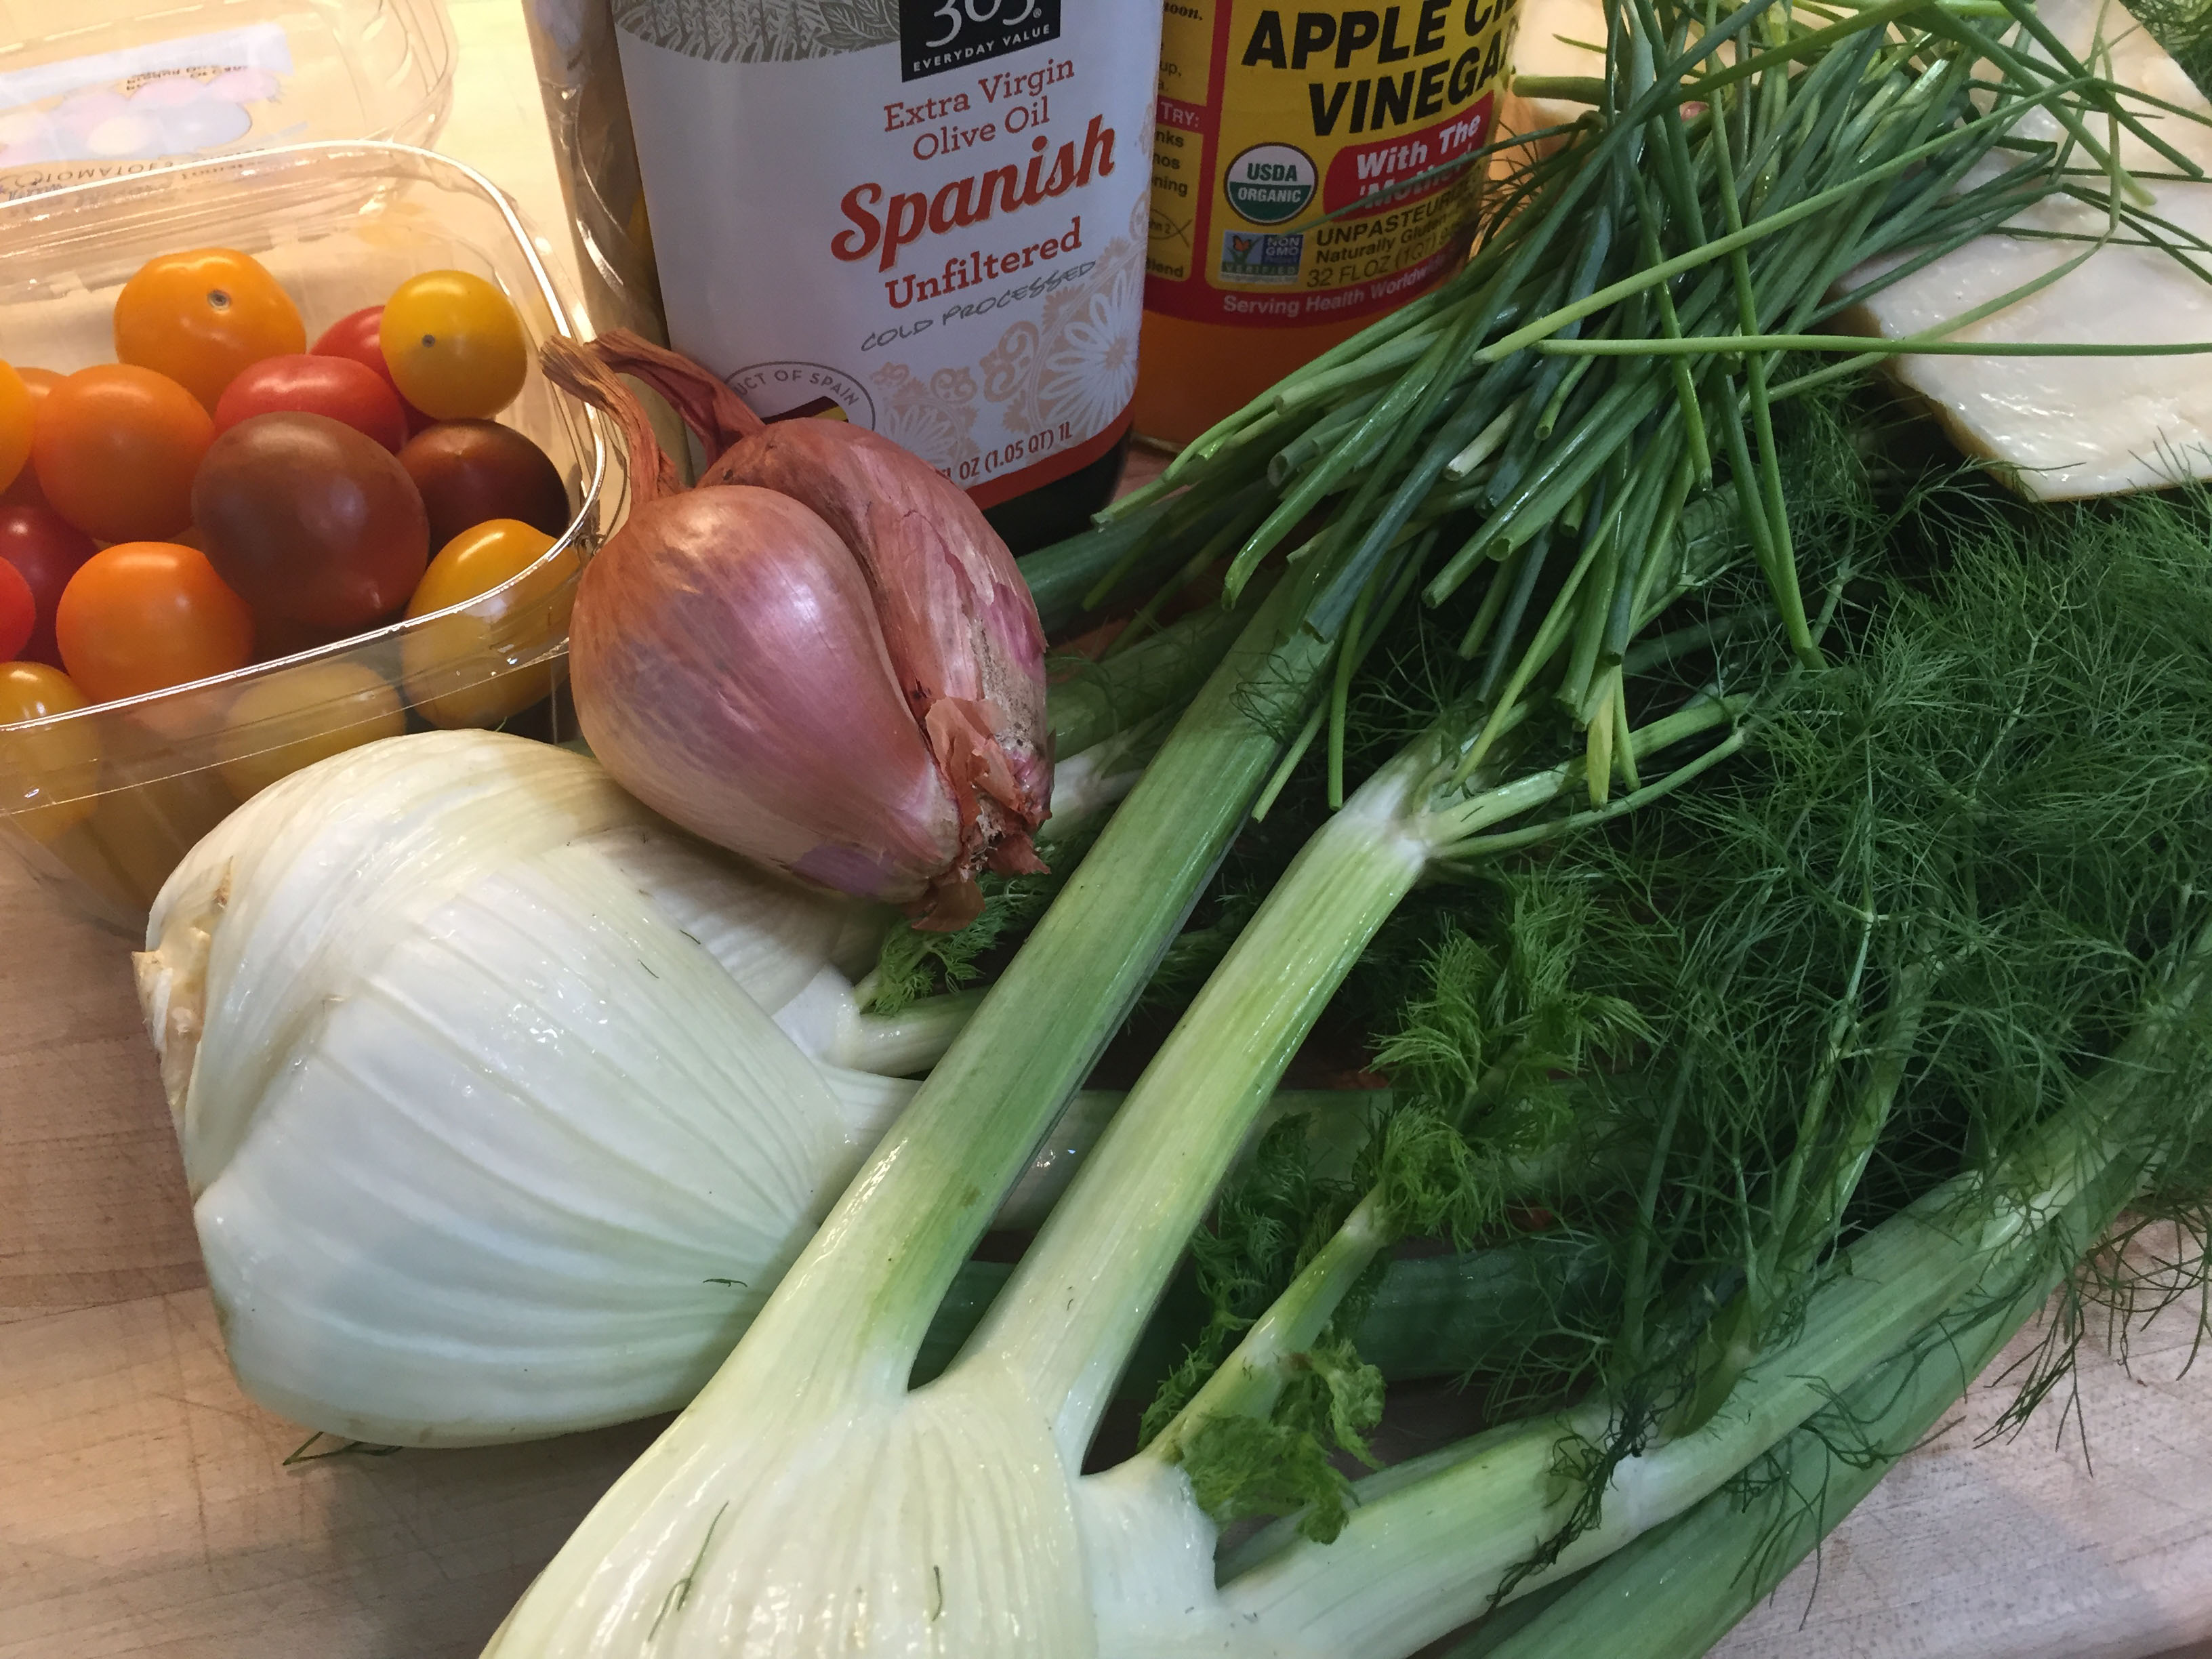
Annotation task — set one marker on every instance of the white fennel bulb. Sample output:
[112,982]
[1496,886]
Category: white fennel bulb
[490,1126]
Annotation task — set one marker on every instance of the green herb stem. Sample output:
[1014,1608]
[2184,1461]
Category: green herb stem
[1870,348]
[1435,1542]
[1674,1591]
[1088,1283]
[1247,1383]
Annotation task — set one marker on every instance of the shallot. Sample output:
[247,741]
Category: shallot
[821,657]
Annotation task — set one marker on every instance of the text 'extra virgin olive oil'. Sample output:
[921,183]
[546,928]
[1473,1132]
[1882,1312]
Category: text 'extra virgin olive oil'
[926,216]
[1313,168]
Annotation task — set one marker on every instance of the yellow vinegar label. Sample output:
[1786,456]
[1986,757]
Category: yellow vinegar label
[1312,165]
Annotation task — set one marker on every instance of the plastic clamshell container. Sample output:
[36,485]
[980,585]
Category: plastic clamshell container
[100,88]
[102,803]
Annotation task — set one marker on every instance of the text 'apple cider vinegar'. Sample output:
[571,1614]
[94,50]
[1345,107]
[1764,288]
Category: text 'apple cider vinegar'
[1312,167]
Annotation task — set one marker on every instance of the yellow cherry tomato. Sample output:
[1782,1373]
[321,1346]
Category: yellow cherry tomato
[15,409]
[490,661]
[202,316]
[454,345]
[301,716]
[48,774]
[143,829]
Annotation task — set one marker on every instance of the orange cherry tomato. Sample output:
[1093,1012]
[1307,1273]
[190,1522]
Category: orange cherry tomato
[16,412]
[47,777]
[145,616]
[25,491]
[454,345]
[116,448]
[200,317]
[488,663]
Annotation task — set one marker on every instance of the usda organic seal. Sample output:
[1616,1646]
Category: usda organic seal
[1270,183]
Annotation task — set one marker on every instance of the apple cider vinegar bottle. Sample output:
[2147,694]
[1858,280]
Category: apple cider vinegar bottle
[1304,183]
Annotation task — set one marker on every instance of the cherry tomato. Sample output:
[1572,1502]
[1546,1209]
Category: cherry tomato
[356,337]
[145,616]
[336,387]
[280,636]
[16,412]
[19,612]
[46,548]
[454,344]
[116,448]
[25,491]
[298,716]
[486,664]
[47,777]
[471,470]
[200,317]
[311,521]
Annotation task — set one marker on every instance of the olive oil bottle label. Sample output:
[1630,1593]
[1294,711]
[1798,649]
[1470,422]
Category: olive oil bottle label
[1314,164]
[926,216]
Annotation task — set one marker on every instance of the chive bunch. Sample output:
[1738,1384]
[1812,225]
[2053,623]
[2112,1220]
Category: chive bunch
[1532,430]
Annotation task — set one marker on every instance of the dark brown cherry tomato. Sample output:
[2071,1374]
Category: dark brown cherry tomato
[19,612]
[357,335]
[470,471]
[46,548]
[311,521]
[307,385]
[279,636]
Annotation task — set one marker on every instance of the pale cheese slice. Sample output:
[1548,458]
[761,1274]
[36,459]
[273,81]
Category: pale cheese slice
[1554,38]
[2066,426]
[2060,426]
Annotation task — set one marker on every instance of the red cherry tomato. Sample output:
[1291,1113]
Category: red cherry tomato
[115,448]
[200,317]
[338,387]
[356,336]
[45,550]
[145,616]
[19,614]
[25,490]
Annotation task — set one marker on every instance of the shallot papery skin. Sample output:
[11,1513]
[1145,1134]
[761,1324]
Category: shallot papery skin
[957,620]
[848,684]
[730,673]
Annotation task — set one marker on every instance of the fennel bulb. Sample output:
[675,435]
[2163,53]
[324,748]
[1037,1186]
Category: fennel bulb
[809,1503]
[503,1102]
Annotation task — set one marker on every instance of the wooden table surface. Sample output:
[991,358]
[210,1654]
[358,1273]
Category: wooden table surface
[147,1509]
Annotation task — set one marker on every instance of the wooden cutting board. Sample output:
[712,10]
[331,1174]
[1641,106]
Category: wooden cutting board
[147,1509]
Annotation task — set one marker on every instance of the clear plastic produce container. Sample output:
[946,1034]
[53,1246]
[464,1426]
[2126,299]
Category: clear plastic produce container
[101,88]
[104,802]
